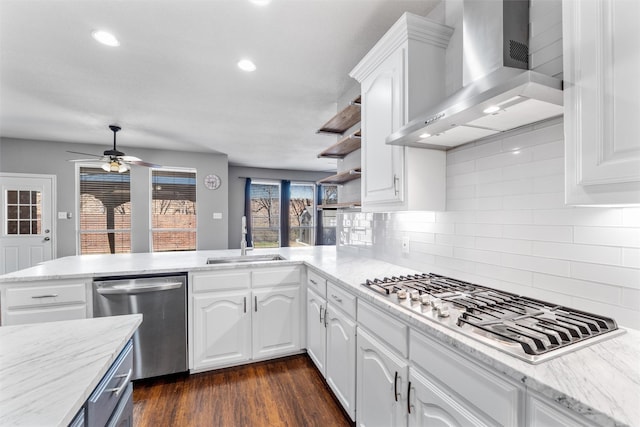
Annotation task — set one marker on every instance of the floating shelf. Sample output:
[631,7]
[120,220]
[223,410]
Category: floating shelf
[346,145]
[343,205]
[342,177]
[343,120]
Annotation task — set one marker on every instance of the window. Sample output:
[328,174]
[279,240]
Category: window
[24,212]
[265,214]
[105,211]
[302,215]
[173,210]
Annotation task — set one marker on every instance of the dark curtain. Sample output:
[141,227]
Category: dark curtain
[247,210]
[285,199]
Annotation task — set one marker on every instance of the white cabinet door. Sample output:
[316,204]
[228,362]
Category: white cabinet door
[316,330]
[222,328]
[431,407]
[601,56]
[341,358]
[381,384]
[382,114]
[542,412]
[276,321]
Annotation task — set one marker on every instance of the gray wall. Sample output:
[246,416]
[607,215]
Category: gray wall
[45,157]
[236,192]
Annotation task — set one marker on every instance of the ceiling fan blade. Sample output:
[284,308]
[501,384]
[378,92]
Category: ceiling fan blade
[85,160]
[85,154]
[142,163]
[130,159]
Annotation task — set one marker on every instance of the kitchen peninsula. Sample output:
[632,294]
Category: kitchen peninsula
[599,383]
[48,370]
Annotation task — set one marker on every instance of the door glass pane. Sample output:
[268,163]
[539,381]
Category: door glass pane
[301,215]
[265,214]
[26,206]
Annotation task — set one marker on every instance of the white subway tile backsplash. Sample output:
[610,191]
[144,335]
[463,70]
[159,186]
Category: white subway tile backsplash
[506,226]
[521,247]
[613,275]
[550,233]
[592,290]
[583,253]
[631,257]
[535,264]
[609,236]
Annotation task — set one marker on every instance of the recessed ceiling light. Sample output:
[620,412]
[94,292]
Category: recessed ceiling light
[492,109]
[425,135]
[246,65]
[260,2]
[105,38]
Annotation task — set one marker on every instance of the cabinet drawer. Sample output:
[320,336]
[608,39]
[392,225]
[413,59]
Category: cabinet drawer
[276,276]
[338,297]
[392,331]
[220,280]
[46,295]
[492,395]
[317,283]
[44,314]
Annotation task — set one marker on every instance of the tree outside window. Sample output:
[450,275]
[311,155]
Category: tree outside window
[302,215]
[265,214]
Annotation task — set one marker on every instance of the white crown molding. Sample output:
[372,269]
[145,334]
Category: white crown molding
[408,27]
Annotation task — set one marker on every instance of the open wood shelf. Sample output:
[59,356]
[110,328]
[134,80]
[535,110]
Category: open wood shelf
[342,205]
[343,120]
[346,145]
[342,177]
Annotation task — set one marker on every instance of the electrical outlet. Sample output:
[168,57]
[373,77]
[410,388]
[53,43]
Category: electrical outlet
[405,244]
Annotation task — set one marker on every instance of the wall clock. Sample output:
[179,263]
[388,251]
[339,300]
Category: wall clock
[212,182]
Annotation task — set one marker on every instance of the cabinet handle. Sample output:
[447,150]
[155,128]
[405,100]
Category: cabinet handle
[321,309]
[313,281]
[126,377]
[396,180]
[395,387]
[44,296]
[255,307]
[409,398]
[326,312]
[335,297]
[245,304]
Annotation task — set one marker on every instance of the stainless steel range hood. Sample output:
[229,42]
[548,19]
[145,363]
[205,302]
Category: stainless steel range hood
[509,97]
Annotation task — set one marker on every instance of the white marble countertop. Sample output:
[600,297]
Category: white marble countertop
[601,382]
[48,370]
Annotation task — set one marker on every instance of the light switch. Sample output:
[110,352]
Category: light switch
[217,215]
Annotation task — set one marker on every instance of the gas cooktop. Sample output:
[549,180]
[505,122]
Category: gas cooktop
[529,329]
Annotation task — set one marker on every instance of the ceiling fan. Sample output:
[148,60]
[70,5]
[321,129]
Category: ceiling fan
[115,160]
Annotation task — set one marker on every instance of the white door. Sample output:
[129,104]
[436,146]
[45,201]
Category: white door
[276,321]
[382,380]
[222,325]
[27,232]
[341,358]
[316,330]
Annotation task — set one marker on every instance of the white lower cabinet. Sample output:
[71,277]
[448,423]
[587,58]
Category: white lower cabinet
[231,323]
[276,321]
[46,301]
[430,406]
[341,358]
[542,412]
[223,324]
[382,379]
[316,329]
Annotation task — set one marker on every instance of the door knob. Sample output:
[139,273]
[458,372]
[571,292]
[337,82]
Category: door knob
[46,239]
[46,231]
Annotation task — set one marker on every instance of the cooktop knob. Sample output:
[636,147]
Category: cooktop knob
[401,294]
[443,311]
[425,299]
[414,295]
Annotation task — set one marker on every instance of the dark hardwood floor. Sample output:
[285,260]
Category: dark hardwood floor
[283,392]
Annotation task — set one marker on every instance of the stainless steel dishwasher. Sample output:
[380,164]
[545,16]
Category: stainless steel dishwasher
[160,343]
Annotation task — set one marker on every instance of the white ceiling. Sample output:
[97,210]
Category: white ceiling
[173,83]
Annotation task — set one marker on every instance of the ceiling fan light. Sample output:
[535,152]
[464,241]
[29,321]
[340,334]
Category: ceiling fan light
[122,168]
[106,167]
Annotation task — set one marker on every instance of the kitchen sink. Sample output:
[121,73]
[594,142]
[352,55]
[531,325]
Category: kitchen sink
[246,258]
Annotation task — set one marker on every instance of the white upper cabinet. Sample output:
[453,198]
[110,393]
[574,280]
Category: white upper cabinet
[400,78]
[602,101]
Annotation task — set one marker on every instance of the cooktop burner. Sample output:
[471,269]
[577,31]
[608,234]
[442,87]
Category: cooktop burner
[529,329]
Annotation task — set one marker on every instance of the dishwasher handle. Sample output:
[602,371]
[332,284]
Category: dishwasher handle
[137,289]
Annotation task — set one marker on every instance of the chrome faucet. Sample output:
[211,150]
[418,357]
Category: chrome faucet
[243,242]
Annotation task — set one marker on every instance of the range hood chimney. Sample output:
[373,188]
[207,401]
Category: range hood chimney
[498,93]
